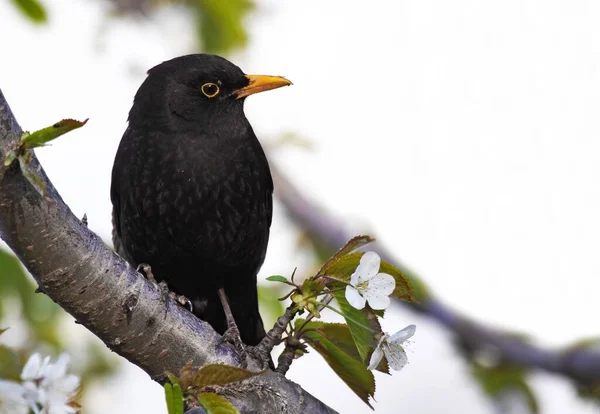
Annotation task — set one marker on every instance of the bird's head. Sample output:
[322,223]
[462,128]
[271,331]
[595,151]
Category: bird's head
[198,91]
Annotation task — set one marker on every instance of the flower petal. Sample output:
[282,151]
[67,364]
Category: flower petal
[354,276]
[354,298]
[403,335]
[32,368]
[395,355]
[12,400]
[376,358]
[376,301]
[377,354]
[10,388]
[58,369]
[67,385]
[33,395]
[382,284]
[384,338]
[368,267]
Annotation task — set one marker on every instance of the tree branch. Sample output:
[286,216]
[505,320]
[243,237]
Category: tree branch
[74,267]
[579,364]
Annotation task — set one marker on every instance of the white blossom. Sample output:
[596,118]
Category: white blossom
[391,346]
[34,367]
[47,385]
[59,387]
[367,285]
[12,398]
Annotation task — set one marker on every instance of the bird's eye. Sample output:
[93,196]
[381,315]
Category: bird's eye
[210,89]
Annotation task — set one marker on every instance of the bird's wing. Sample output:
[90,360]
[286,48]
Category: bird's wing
[269,201]
[268,194]
[116,232]
[116,199]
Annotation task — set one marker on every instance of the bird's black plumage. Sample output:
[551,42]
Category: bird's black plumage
[191,187]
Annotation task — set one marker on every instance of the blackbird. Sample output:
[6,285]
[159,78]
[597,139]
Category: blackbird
[192,190]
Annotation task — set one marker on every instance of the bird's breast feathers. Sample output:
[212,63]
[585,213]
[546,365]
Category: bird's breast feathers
[193,198]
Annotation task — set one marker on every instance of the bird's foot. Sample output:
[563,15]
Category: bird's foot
[182,300]
[163,288]
[262,356]
[146,270]
[245,352]
[232,336]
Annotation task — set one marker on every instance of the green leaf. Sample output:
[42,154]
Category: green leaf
[41,137]
[10,157]
[496,380]
[339,334]
[353,244]
[362,323]
[34,179]
[169,397]
[221,25]
[342,268]
[32,9]
[277,278]
[404,288]
[172,378]
[219,374]
[215,404]
[338,353]
[174,398]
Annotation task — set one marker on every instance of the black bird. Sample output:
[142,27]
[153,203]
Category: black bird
[192,190]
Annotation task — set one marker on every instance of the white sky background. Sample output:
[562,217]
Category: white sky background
[471,127]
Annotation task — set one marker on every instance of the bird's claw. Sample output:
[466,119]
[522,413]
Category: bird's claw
[232,336]
[245,352]
[259,355]
[146,270]
[162,286]
[182,300]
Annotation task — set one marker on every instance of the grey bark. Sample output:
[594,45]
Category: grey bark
[74,267]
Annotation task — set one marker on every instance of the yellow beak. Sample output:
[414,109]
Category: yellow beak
[261,83]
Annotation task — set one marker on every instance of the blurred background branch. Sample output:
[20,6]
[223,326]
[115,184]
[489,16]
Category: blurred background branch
[328,232]
[475,340]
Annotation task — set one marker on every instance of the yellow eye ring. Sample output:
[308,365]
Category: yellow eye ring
[210,90]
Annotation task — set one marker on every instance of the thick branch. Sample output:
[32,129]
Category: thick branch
[581,365]
[79,272]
